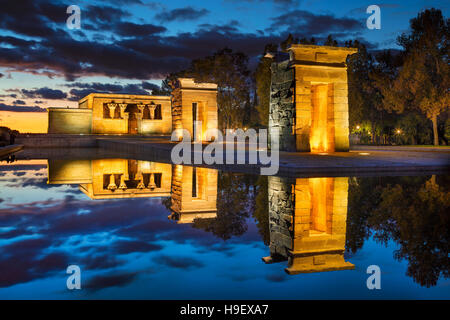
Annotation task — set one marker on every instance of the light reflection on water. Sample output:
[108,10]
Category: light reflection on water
[141,229]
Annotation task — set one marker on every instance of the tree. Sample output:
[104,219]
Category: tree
[423,80]
[284,45]
[263,81]
[413,130]
[165,89]
[364,97]
[330,41]
[229,71]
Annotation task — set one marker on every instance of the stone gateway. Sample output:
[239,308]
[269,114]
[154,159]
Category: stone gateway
[309,99]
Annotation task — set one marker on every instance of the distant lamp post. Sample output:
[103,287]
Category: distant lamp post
[398,131]
[358,127]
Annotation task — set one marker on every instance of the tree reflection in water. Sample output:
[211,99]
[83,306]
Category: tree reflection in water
[235,203]
[411,211]
[417,218]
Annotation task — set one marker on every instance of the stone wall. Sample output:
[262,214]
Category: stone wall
[282,108]
[69,120]
[185,93]
[102,125]
[281,212]
[44,140]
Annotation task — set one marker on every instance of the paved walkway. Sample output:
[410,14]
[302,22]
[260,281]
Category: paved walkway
[9,150]
[375,160]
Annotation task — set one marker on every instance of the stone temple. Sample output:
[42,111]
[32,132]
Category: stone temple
[192,191]
[309,99]
[308,105]
[105,113]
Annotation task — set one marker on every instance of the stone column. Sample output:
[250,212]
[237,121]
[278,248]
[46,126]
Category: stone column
[122,107]
[112,108]
[141,107]
[112,183]
[151,108]
[126,115]
[139,116]
[122,185]
[152,184]
[140,178]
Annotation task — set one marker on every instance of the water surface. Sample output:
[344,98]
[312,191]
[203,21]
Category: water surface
[147,230]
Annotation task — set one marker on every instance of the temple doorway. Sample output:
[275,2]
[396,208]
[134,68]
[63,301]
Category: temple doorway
[132,111]
[322,124]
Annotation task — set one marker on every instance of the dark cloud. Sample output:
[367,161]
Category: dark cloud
[10,95]
[128,246]
[128,29]
[13,41]
[15,269]
[77,94]
[108,281]
[31,18]
[317,25]
[278,277]
[181,14]
[53,261]
[149,86]
[140,51]
[21,102]
[105,16]
[45,93]
[29,246]
[178,262]
[80,90]
[5,107]
[103,261]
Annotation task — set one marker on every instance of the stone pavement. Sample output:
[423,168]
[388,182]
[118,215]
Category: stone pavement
[9,150]
[374,160]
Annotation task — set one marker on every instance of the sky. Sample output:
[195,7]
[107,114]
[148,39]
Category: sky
[128,46]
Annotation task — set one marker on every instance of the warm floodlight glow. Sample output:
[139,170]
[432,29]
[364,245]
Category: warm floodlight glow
[358,127]
[399,131]
[320,188]
[320,138]
[364,153]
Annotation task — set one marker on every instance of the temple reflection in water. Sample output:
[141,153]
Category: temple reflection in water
[193,191]
[307,221]
[307,216]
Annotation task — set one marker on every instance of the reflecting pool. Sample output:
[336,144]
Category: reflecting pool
[147,230]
